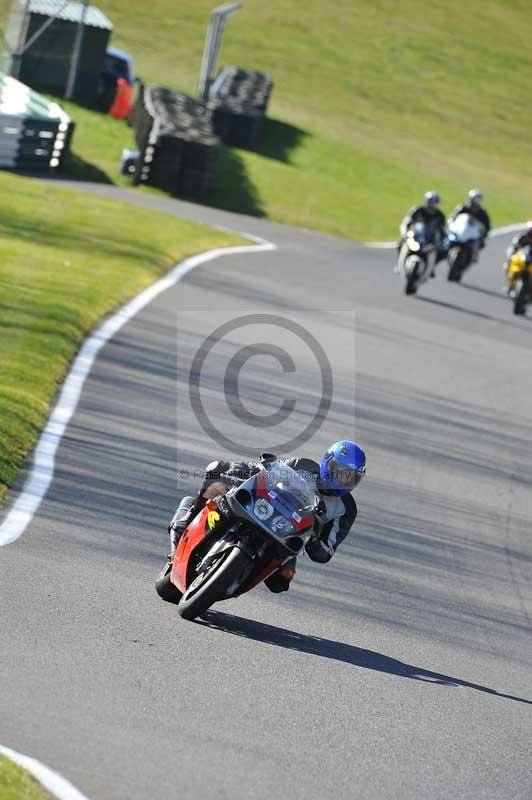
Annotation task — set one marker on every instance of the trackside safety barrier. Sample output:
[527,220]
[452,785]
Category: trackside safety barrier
[35,134]
[177,145]
[239,99]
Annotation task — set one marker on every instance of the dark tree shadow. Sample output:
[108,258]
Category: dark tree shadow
[76,167]
[233,190]
[337,651]
[279,140]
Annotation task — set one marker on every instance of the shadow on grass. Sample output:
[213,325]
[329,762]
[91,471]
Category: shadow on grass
[65,236]
[279,140]
[233,190]
[337,651]
[76,167]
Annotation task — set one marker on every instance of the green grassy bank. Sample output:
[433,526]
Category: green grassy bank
[17,784]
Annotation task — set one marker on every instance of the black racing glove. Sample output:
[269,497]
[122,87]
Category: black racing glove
[318,550]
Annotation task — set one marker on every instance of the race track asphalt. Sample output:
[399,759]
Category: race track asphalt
[403,668]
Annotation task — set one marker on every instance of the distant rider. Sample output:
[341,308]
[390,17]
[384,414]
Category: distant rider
[433,217]
[522,240]
[473,206]
[341,469]
[518,242]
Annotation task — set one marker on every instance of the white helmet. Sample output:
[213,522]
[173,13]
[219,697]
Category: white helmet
[432,199]
[475,196]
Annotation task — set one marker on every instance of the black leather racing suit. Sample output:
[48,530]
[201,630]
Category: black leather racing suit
[434,219]
[333,522]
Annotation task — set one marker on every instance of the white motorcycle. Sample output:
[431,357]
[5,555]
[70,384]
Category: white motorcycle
[464,233]
[417,256]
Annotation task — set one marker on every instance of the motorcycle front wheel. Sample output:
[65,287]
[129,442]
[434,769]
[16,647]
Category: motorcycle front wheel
[212,585]
[521,295]
[458,261]
[412,275]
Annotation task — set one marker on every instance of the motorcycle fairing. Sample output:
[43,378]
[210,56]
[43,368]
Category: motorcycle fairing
[212,531]
[200,534]
[418,250]
[520,262]
[193,535]
[464,229]
[301,523]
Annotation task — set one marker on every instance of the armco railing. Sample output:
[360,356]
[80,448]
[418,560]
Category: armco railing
[35,133]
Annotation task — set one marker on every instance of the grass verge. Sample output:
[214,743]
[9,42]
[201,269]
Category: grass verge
[65,261]
[17,784]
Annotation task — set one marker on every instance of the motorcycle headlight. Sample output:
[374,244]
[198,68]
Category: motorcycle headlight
[413,245]
[283,526]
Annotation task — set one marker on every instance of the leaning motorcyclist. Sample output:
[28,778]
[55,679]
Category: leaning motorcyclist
[341,469]
[473,206]
[433,217]
[522,240]
[518,242]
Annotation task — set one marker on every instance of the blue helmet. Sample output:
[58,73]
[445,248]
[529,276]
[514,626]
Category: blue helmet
[342,468]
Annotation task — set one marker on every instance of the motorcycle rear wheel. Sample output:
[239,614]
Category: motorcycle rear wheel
[208,589]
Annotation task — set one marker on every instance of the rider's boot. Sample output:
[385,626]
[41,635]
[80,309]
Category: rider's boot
[280,580]
[397,268]
[182,517]
[510,286]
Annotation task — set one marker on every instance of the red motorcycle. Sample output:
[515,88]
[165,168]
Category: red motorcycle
[239,539]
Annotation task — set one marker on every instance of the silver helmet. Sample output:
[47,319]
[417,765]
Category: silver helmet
[475,196]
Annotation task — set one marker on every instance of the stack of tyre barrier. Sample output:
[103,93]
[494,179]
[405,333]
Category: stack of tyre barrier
[34,133]
[239,99]
[177,145]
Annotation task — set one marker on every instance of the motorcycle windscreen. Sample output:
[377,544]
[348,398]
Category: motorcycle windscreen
[521,261]
[423,234]
[283,500]
[465,227]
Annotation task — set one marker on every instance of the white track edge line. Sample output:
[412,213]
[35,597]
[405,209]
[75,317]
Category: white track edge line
[514,228]
[49,780]
[42,471]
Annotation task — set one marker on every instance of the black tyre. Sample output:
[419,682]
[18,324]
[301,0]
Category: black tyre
[521,296]
[457,264]
[412,279]
[164,586]
[211,586]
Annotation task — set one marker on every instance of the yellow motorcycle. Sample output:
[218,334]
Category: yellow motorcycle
[519,274]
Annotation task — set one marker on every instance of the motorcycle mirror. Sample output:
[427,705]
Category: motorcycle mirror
[319,507]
